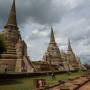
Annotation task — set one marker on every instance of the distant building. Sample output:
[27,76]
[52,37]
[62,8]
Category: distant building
[15,58]
[41,66]
[64,60]
[52,55]
[72,59]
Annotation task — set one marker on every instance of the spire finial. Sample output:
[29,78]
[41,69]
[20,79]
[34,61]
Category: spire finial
[52,38]
[69,45]
[12,17]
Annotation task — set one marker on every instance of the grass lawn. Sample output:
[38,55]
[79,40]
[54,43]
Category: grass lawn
[27,83]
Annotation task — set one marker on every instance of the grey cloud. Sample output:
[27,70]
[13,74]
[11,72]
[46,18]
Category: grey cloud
[87,42]
[62,44]
[69,23]
[41,11]
[75,25]
[85,58]
[84,36]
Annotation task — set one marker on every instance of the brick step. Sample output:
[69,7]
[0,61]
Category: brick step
[11,50]
[9,53]
[8,56]
[1,59]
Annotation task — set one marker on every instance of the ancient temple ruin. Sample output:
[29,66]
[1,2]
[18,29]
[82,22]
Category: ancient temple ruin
[15,58]
[64,60]
[52,55]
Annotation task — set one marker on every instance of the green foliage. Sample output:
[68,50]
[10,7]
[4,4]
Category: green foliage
[27,83]
[2,44]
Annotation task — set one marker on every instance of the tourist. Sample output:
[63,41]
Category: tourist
[6,68]
[53,76]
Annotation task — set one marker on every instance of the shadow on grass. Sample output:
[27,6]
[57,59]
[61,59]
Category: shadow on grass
[9,82]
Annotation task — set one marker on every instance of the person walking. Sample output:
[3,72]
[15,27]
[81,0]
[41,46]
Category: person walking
[53,76]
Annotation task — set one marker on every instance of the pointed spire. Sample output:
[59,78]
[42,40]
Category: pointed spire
[12,17]
[69,45]
[52,38]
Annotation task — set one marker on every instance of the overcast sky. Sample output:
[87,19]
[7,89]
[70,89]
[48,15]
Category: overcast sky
[69,18]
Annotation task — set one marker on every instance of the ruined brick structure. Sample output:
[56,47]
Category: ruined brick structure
[52,55]
[15,57]
[72,59]
[64,60]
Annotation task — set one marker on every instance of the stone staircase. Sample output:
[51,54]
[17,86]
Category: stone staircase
[8,59]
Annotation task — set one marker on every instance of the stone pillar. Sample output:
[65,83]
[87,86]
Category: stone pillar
[18,65]
[19,52]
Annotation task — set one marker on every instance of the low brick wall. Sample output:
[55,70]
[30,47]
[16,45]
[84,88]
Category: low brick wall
[24,75]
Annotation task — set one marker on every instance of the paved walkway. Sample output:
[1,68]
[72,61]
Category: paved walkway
[55,88]
[85,87]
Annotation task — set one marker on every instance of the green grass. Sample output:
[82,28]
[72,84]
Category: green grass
[27,83]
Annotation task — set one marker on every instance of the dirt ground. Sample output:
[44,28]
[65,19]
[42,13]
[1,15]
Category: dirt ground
[56,88]
[85,87]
